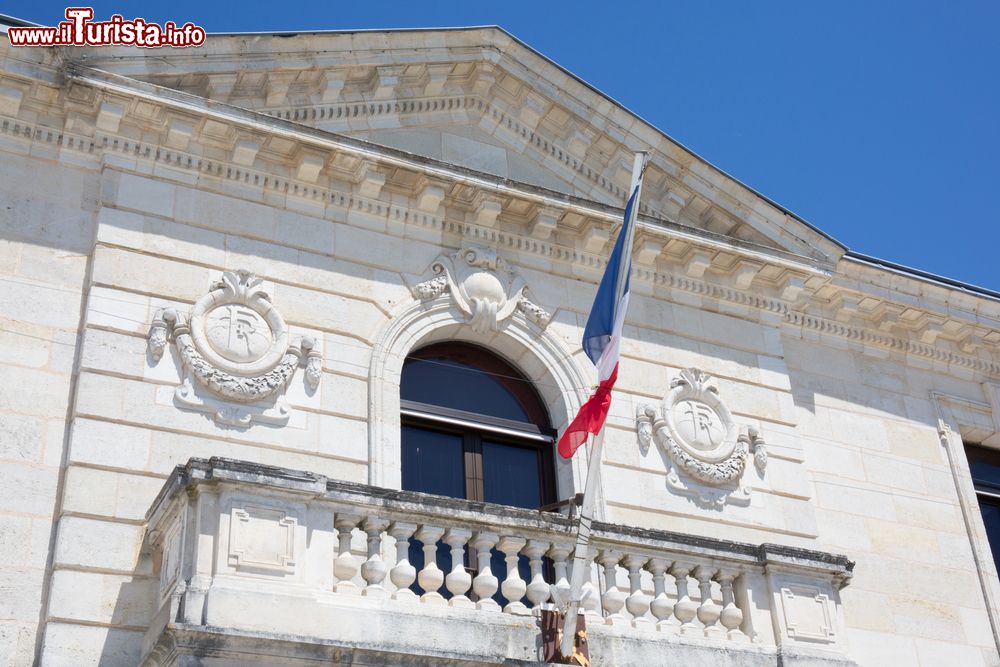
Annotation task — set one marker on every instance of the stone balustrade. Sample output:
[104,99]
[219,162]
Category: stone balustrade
[299,565]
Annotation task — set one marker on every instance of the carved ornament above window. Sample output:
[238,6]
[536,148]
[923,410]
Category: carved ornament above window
[483,286]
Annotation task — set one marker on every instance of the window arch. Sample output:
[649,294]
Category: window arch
[473,426]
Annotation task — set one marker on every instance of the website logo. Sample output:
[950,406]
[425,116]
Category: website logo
[79,29]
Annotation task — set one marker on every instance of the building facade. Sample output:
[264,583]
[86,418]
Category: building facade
[289,323]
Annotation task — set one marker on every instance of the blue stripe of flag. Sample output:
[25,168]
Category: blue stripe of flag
[601,322]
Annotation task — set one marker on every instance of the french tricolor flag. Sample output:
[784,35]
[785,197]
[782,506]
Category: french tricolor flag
[603,334]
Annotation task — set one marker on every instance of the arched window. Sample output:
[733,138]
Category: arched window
[474,427]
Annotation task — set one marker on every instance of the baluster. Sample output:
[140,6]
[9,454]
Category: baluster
[590,598]
[538,589]
[685,608]
[613,599]
[591,601]
[661,607]
[708,611]
[513,587]
[731,616]
[560,590]
[485,584]
[374,569]
[345,566]
[403,574]
[637,602]
[430,576]
[458,580]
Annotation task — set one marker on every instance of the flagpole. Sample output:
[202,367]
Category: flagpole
[580,560]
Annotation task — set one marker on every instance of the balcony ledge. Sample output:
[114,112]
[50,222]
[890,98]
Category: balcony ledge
[263,565]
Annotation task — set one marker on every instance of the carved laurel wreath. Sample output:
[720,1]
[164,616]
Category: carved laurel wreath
[723,464]
[241,382]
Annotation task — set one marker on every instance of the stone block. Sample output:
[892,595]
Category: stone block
[474,154]
[117,227]
[226,214]
[100,395]
[920,443]
[345,395]
[430,198]
[179,133]
[111,352]
[976,627]
[28,489]
[351,441]
[881,648]
[844,497]
[116,267]
[34,302]
[897,540]
[306,231]
[773,372]
[917,617]
[857,429]
[48,204]
[107,444]
[20,594]
[308,166]
[371,183]
[21,438]
[843,533]
[329,312]
[117,309]
[53,266]
[783,476]
[15,540]
[936,652]
[928,513]
[98,544]
[145,194]
[90,491]
[245,152]
[162,237]
[868,611]
[10,100]
[109,117]
[72,645]
[102,598]
[895,473]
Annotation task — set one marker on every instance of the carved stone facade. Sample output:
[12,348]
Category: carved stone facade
[236,348]
[483,287]
[397,189]
[707,450]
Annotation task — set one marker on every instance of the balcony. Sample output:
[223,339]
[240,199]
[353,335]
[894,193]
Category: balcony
[260,566]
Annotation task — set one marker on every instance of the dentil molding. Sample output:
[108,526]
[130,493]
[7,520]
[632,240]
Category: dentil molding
[236,353]
[976,351]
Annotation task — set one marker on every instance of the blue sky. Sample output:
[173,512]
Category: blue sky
[878,122]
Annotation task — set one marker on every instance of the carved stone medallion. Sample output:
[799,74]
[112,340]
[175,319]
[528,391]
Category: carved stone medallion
[236,348]
[482,286]
[706,450]
[239,334]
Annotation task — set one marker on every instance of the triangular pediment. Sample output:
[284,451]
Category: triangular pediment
[479,99]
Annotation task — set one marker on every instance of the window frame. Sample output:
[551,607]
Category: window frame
[979,454]
[474,427]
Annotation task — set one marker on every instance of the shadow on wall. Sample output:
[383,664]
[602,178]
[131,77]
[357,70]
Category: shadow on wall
[135,603]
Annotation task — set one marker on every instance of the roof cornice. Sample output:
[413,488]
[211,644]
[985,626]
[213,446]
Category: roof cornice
[256,121]
[867,305]
[604,117]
